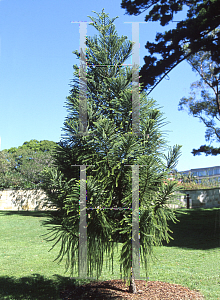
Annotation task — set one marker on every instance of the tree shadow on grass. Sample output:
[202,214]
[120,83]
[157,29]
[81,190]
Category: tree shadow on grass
[35,287]
[38,287]
[198,229]
[29,213]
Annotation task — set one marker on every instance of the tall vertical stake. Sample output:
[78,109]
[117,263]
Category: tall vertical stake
[82,80]
[136,131]
[135,222]
[82,225]
[135,79]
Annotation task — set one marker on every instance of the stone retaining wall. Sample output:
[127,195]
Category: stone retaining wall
[22,200]
[35,199]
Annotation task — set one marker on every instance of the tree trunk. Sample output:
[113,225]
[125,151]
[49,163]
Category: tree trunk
[132,286]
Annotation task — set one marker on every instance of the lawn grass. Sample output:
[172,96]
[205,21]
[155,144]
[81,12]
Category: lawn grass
[27,270]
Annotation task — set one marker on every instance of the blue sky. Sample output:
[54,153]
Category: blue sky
[36,43]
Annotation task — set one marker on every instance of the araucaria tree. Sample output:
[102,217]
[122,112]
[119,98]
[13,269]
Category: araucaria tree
[107,148]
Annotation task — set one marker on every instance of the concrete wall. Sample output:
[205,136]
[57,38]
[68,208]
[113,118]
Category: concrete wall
[206,198]
[35,199]
[22,200]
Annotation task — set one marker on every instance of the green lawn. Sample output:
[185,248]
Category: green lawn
[27,270]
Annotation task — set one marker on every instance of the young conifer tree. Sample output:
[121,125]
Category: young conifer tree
[107,148]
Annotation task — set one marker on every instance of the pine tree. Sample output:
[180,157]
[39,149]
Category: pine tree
[206,107]
[202,17]
[107,148]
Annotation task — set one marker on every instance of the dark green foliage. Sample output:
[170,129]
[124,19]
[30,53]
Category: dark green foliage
[109,147]
[208,150]
[203,16]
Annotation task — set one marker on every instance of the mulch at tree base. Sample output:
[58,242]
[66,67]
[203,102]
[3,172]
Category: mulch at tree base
[117,289]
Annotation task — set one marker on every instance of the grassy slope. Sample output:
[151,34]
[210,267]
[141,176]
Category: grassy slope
[27,270]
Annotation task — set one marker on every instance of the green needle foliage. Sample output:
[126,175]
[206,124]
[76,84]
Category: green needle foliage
[106,150]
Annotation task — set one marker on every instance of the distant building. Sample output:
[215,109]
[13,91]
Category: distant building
[205,173]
